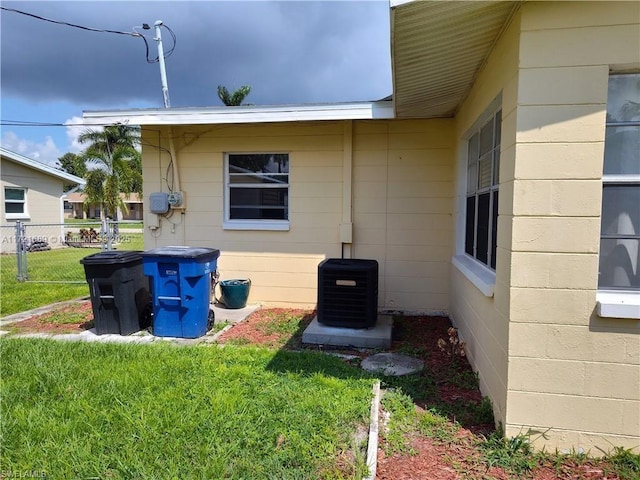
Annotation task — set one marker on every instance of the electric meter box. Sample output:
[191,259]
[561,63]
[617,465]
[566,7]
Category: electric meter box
[159,202]
[175,199]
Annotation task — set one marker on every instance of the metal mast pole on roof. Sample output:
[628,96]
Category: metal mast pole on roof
[163,72]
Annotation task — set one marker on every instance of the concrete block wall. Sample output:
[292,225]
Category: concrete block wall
[402,177]
[483,321]
[403,197]
[544,357]
[569,370]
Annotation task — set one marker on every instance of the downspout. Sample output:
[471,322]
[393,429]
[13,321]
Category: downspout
[346,227]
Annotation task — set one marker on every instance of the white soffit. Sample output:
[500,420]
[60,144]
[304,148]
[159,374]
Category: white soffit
[437,50]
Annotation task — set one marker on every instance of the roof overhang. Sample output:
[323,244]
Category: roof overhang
[242,114]
[41,167]
[437,50]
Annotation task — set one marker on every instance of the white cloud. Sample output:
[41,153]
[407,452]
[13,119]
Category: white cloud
[45,151]
[74,129]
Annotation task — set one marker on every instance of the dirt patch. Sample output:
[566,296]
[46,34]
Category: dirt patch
[73,318]
[273,327]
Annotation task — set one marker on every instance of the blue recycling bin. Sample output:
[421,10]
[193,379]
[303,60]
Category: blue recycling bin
[180,282]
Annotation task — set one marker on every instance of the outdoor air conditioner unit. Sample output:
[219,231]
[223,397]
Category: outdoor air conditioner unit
[348,292]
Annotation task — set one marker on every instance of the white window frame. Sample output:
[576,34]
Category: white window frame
[479,274]
[251,224]
[619,302]
[25,212]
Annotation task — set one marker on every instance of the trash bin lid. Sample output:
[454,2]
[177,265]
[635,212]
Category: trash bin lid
[202,254]
[111,257]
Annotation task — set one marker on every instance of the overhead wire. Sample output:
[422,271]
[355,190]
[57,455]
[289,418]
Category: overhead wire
[102,30]
[29,123]
[26,123]
[167,53]
[59,22]
[168,177]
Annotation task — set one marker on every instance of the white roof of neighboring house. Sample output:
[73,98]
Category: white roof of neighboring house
[39,166]
[77,197]
[242,114]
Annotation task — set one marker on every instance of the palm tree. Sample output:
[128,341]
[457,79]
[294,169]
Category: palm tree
[110,137]
[73,164]
[117,166]
[235,99]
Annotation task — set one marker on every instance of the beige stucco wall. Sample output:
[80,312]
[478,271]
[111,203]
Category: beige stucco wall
[402,176]
[544,357]
[43,204]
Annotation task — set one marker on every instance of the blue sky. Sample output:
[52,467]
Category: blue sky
[288,52]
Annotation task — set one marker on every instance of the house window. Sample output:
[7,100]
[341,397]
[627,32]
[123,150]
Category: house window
[257,191]
[481,218]
[15,203]
[620,221]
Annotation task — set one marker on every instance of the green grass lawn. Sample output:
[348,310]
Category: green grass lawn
[58,265]
[130,225]
[88,410]
[79,222]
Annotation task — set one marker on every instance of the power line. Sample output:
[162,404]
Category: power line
[26,123]
[101,30]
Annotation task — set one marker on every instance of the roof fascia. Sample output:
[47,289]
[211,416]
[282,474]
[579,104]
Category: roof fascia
[228,115]
[397,3]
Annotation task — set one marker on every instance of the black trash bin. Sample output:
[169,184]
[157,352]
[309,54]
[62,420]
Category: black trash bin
[119,291]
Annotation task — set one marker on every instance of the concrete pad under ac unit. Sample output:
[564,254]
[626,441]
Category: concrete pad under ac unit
[377,337]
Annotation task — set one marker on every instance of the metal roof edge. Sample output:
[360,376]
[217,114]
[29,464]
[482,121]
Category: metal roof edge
[42,167]
[243,114]
[398,3]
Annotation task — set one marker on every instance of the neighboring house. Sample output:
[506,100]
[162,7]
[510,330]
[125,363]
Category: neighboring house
[75,207]
[501,185]
[32,192]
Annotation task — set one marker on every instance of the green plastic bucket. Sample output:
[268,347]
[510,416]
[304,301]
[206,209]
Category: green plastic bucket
[235,292]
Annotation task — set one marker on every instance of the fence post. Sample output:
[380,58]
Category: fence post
[105,236]
[21,252]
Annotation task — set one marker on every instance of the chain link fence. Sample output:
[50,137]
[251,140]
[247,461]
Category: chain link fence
[51,253]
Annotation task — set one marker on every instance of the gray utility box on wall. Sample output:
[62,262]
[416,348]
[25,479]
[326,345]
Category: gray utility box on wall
[159,202]
[348,292]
